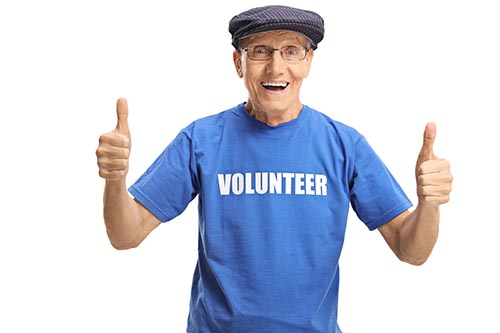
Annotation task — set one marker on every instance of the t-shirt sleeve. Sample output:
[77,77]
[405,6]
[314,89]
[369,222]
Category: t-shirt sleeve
[169,184]
[376,196]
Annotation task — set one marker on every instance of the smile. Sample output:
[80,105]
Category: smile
[275,85]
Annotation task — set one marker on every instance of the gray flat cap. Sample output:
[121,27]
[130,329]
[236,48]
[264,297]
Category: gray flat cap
[276,17]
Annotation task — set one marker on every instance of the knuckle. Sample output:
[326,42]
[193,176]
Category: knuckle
[126,142]
[104,138]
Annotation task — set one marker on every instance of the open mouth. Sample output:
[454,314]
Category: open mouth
[275,86]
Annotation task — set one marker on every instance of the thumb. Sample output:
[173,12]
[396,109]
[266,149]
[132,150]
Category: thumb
[122,115]
[427,152]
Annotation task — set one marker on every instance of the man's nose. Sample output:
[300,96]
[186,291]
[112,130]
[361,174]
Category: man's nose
[276,61]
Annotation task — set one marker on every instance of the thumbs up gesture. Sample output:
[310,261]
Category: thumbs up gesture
[114,147]
[433,174]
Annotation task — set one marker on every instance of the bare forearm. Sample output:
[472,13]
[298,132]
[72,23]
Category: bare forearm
[121,215]
[419,234]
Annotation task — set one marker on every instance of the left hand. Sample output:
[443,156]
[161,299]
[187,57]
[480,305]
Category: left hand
[432,173]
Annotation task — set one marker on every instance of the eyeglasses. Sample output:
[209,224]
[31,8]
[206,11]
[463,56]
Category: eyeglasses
[264,52]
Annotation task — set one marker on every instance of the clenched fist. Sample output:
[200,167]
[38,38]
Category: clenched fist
[114,147]
[432,173]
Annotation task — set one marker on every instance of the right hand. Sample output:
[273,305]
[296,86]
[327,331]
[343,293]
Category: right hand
[114,147]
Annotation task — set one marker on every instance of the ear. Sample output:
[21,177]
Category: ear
[237,63]
[307,62]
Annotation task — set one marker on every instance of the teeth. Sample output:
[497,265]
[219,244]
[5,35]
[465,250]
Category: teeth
[274,84]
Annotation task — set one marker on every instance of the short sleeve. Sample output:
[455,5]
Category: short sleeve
[169,184]
[376,196]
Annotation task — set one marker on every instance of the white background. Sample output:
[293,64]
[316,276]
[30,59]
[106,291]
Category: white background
[385,67]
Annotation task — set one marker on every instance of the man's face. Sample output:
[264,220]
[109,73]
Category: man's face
[273,84]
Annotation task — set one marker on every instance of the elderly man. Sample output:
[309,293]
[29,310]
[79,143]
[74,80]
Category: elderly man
[275,180]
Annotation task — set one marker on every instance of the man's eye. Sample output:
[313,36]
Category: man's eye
[260,50]
[291,51]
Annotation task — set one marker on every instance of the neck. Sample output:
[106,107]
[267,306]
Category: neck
[273,117]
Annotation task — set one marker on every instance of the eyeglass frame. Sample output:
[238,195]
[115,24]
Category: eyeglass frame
[271,52]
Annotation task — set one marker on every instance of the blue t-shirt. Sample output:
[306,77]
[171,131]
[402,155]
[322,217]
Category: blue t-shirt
[273,206]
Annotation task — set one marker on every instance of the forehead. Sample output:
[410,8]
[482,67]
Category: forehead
[275,36]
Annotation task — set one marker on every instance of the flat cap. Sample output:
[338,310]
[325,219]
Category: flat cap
[277,17]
